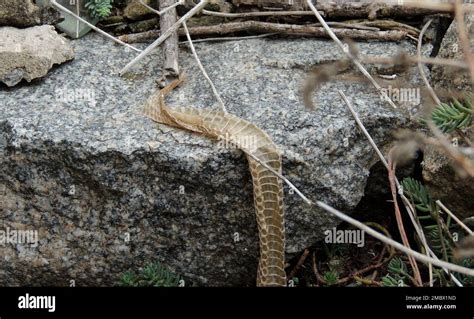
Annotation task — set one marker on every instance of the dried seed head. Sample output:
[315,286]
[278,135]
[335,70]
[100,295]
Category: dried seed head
[404,152]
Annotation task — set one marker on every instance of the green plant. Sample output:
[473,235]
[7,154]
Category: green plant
[437,232]
[397,274]
[128,279]
[397,266]
[418,194]
[421,199]
[436,240]
[152,275]
[99,8]
[331,277]
[388,281]
[454,115]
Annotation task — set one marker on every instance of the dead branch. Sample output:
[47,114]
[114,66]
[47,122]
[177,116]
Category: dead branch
[387,25]
[350,54]
[201,67]
[391,177]
[170,46]
[346,10]
[301,261]
[420,65]
[374,11]
[257,14]
[267,27]
[412,60]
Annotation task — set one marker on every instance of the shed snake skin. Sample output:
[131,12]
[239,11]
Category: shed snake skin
[267,188]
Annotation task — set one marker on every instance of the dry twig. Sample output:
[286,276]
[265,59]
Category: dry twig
[214,90]
[268,27]
[456,219]
[170,45]
[398,216]
[165,35]
[420,65]
[300,263]
[350,55]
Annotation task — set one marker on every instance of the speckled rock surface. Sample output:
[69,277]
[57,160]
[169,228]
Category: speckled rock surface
[30,53]
[109,190]
[446,185]
[451,48]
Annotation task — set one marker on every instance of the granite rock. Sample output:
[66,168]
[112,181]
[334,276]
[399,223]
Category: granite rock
[444,182]
[451,48]
[109,190]
[30,53]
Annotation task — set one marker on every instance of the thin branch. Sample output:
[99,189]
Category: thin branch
[296,29]
[398,216]
[432,5]
[349,54]
[249,37]
[300,262]
[362,127]
[413,59]
[93,27]
[391,25]
[214,90]
[420,65]
[257,14]
[457,220]
[170,49]
[379,9]
[380,261]
[348,25]
[165,35]
[268,27]
[419,230]
[319,278]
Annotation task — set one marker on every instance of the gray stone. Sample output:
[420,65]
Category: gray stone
[30,53]
[444,182]
[26,13]
[451,48]
[81,165]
